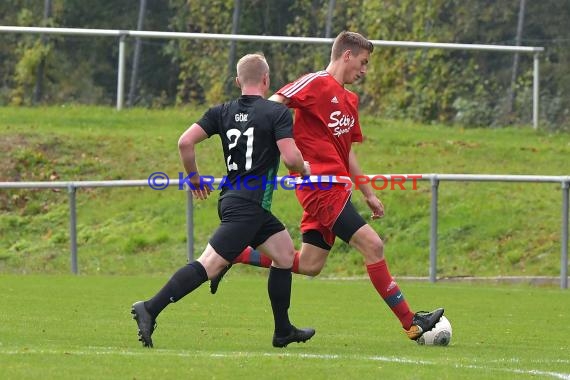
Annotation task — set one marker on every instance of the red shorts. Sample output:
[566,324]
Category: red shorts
[321,208]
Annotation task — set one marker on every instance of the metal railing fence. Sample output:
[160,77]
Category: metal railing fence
[434,180]
[124,34]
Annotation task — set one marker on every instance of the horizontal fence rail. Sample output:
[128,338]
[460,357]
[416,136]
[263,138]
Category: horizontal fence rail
[434,180]
[257,38]
[124,34]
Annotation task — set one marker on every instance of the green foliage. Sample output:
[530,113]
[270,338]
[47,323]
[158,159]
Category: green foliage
[423,85]
[203,68]
[463,87]
[26,71]
[472,113]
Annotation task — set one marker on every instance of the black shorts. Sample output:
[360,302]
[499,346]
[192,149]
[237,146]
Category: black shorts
[348,222]
[243,223]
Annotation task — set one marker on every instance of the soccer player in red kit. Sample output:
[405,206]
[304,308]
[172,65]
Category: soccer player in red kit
[325,126]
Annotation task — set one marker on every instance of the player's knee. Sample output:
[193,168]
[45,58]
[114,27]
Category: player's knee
[379,248]
[374,248]
[284,260]
[212,267]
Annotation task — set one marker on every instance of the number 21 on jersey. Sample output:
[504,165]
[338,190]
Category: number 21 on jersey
[233,136]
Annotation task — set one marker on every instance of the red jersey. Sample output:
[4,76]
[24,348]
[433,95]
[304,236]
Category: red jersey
[326,121]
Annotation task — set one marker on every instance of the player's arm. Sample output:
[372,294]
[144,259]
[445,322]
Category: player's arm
[279,99]
[366,188]
[187,150]
[292,157]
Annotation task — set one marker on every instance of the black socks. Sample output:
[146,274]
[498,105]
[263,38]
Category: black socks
[191,276]
[279,289]
[184,281]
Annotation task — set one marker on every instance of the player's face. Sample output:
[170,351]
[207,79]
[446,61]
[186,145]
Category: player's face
[357,65]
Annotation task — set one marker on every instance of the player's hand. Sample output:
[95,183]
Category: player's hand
[306,169]
[201,193]
[199,190]
[376,206]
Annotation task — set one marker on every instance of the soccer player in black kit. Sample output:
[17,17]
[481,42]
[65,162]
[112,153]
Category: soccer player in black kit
[254,133]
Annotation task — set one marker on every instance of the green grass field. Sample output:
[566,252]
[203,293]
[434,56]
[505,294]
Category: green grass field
[66,327]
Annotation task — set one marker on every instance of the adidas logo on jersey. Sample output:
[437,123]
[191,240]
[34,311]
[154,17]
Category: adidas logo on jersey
[334,100]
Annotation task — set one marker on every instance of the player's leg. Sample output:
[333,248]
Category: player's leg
[239,225]
[184,281]
[309,261]
[320,210]
[278,245]
[367,241]
[352,228]
[317,238]
[314,253]
[254,257]
[249,256]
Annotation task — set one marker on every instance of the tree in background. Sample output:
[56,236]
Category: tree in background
[20,56]
[433,84]
[428,85]
[203,75]
[97,57]
[547,26]
[79,69]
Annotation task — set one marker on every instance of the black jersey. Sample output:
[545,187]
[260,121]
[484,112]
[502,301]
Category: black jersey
[249,128]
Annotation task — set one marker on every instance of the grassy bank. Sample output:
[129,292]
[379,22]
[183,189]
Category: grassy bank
[485,228]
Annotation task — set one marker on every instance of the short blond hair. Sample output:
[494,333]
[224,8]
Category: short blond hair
[352,41]
[251,68]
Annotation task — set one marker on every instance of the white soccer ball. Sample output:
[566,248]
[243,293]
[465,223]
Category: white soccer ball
[440,335]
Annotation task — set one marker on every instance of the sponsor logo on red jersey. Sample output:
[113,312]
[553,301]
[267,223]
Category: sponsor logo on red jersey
[340,123]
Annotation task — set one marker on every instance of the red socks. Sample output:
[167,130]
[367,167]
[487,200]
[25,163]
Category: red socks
[388,289]
[295,268]
[251,256]
[254,257]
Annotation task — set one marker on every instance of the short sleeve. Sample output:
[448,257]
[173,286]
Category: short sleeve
[301,93]
[283,123]
[210,121]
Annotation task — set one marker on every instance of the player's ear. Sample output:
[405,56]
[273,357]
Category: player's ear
[238,84]
[346,55]
[266,79]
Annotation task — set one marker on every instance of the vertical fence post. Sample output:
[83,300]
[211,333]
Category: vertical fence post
[535,91]
[121,72]
[433,230]
[71,189]
[189,225]
[564,240]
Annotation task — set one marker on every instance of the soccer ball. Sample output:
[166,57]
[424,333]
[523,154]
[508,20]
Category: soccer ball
[440,335]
